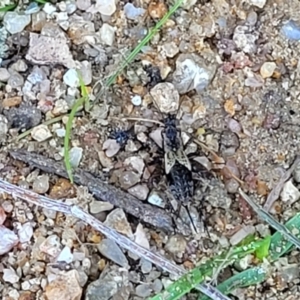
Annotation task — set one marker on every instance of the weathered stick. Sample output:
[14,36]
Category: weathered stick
[274,194]
[124,242]
[101,190]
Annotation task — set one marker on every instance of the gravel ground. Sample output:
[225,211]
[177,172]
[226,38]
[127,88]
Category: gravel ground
[230,73]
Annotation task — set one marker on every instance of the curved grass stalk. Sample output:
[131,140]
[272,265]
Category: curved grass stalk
[190,280]
[142,43]
[279,246]
[48,122]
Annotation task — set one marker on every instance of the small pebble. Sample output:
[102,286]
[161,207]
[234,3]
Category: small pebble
[166,97]
[157,9]
[15,22]
[99,206]
[143,290]
[71,7]
[146,266]
[8,239]
[75,156]
[132,12]
[176,245]
[101,289]
[112,251]
[155,199]
[60,132]
[128,179]
[291,30]
[24,117]
[40,133]
[231,186]
[191,75]
[37,75]
[4,75]
[140,191]
[234,125]
[118,221]
[19,66]
[49,50]
[41,184]
[83,4]
[170,49]
[111,147]
[49,8]
[71,78]
[267,69]
[15,80]
[289,193]
[25,232]
[107,34]
[10,275]
[136,100]
[140,237]
[65,255]
[32,8]
[257,3]
[3,126]
[64,285]
[157,286]
[106,7]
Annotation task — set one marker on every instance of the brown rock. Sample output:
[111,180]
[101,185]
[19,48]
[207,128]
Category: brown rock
[11,102]
[64,287]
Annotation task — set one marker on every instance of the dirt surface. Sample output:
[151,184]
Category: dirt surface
[229,73]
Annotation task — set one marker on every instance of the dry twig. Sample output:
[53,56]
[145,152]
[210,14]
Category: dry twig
[124,242]
[101,190]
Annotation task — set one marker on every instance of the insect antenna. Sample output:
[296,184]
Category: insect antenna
[191,219]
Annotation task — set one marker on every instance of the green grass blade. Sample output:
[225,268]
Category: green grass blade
[41,1]
[278,247]
[279,244]
[243,279]
[263,251]
[76,106]
[84,92]
[8,7]
[271,221]
[142,43]
[81,101]
[190,280]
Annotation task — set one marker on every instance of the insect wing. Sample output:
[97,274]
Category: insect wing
[170,160]
[183,159]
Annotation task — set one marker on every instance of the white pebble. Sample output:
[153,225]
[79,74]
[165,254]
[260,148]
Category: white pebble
[15,22]
[3,125]
[71,78]
[10,275]
[257,3]
[132,12]
[106,7]
[136,100]
[267,69]
[49,8]
[75,156]
[40,133]
[60,132]
[65,255]
[289,193]
[166,97]
[107,34]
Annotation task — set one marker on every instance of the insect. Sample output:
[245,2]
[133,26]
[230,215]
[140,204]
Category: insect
[177,166]
[121,136]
